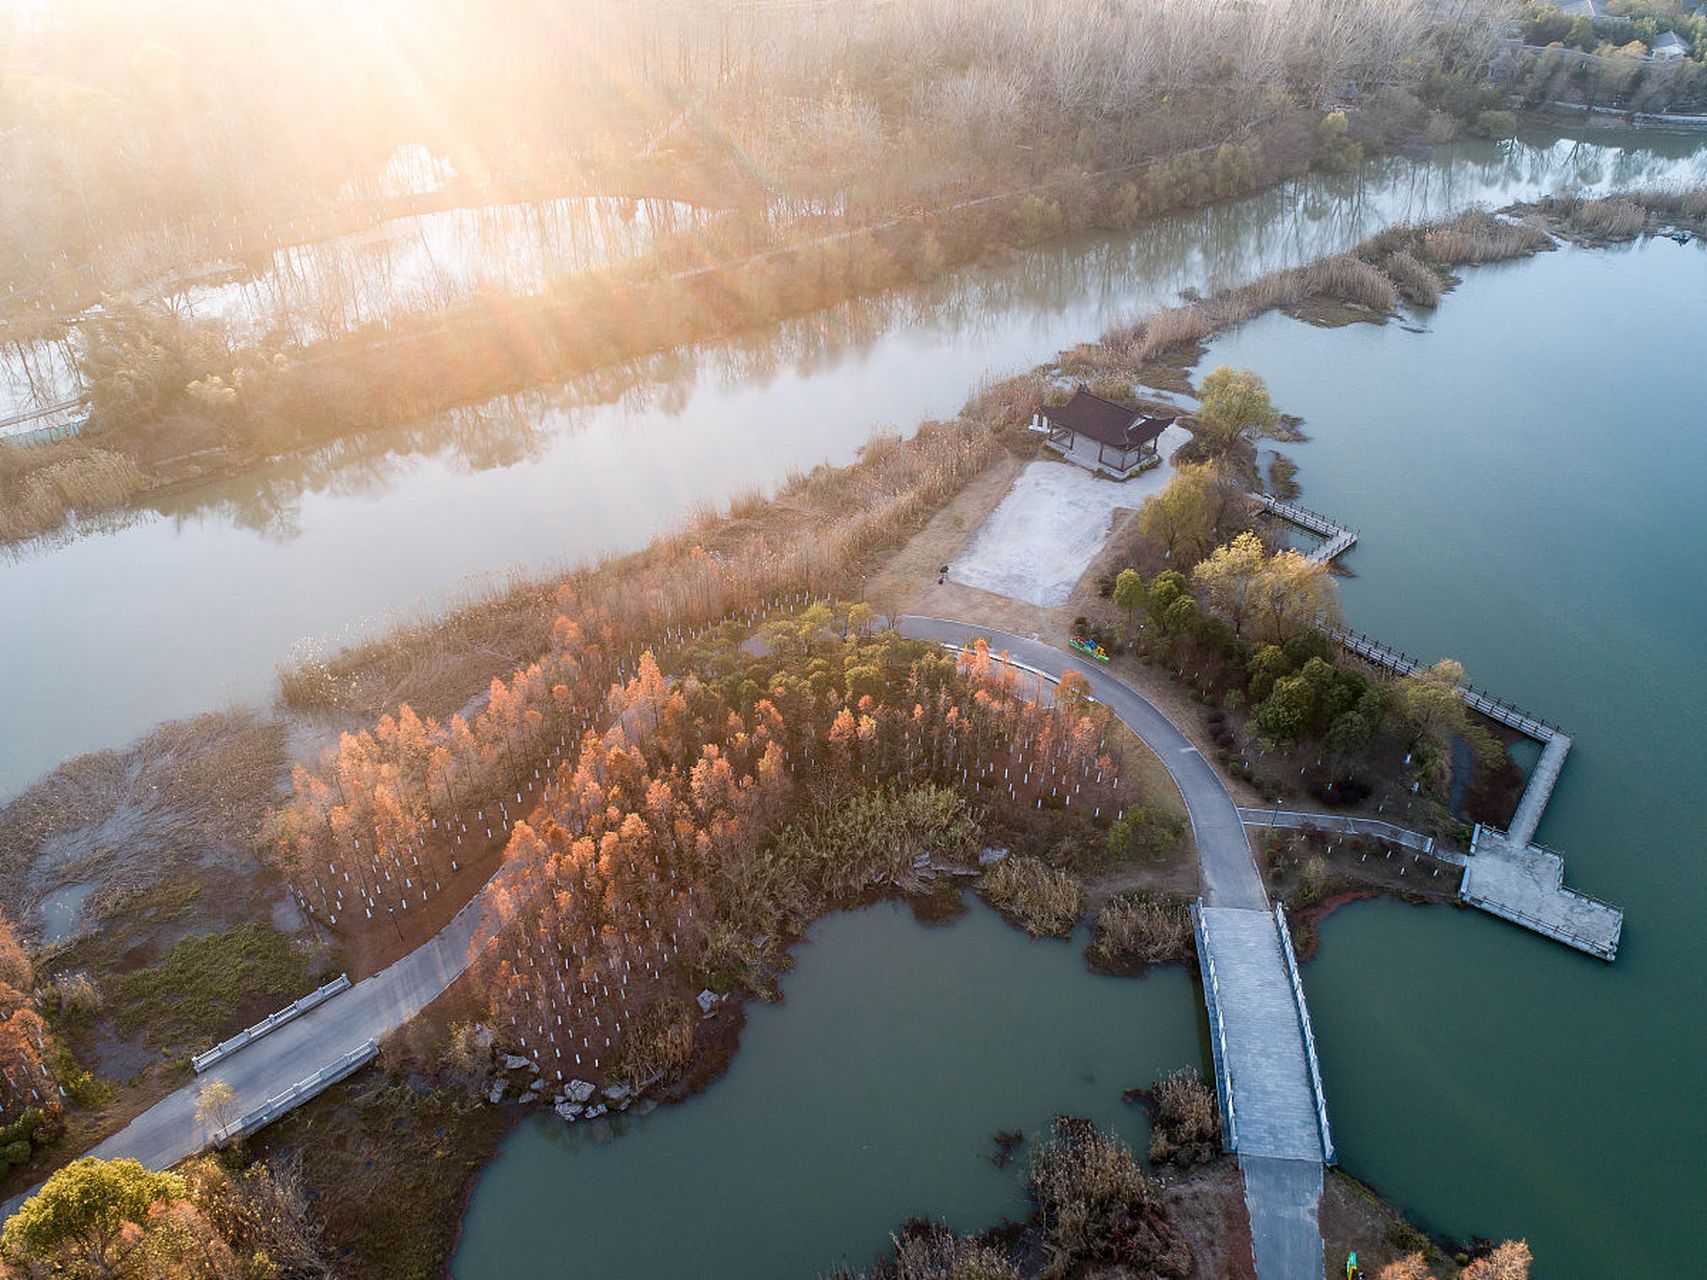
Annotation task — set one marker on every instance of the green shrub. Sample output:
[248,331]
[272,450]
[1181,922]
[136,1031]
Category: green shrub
[1495,124]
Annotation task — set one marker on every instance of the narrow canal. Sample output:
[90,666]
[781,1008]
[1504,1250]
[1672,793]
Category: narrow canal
[190,603]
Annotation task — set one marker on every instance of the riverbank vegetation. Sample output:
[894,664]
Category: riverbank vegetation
[903,144]
[203,1221]
[1609,60]
[1624,217]
[1096,1209]
[176,161]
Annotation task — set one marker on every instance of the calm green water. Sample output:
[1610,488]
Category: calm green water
[1530,480]
[190,603]
[870,1096]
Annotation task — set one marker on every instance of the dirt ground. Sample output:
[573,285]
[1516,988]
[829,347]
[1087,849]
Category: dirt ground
[1355,1219]
[1208,1207]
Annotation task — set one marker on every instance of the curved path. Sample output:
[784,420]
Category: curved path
[1230,877]
[1281,1159]
[1262,1068]
[169,1131]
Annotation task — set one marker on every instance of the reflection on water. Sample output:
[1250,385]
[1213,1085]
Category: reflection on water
[419,263]
[429,261]
[1488,1080]
[193,602]
[870,1096]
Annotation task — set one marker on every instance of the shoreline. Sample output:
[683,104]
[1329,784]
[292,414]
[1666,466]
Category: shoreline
[734,1045]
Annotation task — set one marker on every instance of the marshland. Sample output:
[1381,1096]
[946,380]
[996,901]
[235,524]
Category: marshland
[476,548]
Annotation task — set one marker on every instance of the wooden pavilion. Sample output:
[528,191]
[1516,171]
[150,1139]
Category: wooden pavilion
[1101,435]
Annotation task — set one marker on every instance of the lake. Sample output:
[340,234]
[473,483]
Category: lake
[190,602]
[1526,478]
[871,1095]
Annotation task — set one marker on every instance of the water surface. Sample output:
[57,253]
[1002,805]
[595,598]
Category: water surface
[1527,479]
[871,1096]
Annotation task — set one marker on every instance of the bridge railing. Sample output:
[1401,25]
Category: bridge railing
[1217,1030]
[1309,1035]
[1381,829]
[1495,708]
[272,1022]
[297,1094]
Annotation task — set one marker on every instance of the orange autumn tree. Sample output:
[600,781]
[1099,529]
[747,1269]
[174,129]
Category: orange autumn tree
[25,1080]
[651,851]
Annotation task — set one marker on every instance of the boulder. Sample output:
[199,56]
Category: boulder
[707,1000]
[496,1092]
[991,855]
[536,1086]
[568,1112]
[483,1035]
[617,1092]
[515,1062]
[594,1112]
[581,1090]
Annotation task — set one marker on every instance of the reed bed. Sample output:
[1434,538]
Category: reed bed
[1187,1121]
[1478,237]
[1402,261]
[1135,931]
[1420,284]
[1037,897]
[37,498]
[1614,219]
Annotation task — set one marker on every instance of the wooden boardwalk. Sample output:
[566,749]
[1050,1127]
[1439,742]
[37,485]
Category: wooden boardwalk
[1336,538]
[1506,873]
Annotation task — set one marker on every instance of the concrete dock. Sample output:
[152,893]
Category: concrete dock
[1525,884]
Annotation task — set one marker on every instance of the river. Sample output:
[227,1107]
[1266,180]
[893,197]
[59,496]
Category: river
[871,1095]
[189,603]
[1524,475]
[1526,478]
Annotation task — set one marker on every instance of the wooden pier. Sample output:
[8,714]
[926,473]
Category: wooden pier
[1525,884]
[1505,873]
[1336,538]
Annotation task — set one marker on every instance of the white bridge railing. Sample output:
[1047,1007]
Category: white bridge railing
[1217,1031]
[297,1094]
[272,1022]
[1309,1035]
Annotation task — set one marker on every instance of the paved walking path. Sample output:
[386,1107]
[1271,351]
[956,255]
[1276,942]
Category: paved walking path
[1262,1069]
[169,1132]
[1265,1076]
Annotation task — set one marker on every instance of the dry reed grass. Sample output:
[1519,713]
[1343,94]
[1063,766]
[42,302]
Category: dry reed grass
[1085,1183]
[1477,237]
[1618,218]
[1135,931]
[1418,283]
[1034,895]
[1187,1120]
[39,497]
